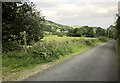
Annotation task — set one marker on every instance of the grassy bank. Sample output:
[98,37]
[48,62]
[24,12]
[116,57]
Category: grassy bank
[44,52]
[118,47]
[118,53]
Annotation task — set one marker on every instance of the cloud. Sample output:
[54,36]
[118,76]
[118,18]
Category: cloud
[79,12]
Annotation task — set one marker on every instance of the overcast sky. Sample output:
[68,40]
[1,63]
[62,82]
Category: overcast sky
[79,12]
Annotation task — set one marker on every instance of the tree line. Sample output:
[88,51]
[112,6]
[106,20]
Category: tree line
[86,31]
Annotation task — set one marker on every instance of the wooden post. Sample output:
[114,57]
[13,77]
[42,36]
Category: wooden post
[25,41]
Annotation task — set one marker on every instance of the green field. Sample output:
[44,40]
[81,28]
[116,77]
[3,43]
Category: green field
[76,26]
[56,38]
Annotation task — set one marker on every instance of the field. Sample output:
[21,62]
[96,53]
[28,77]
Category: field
[56,38]
[50,49]
[77,26]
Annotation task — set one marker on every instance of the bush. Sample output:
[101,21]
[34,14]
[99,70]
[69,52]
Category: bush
[88,42]
[103,39]
[10,46]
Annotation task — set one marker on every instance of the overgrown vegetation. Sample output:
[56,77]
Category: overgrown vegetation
[43,52]
[118,33]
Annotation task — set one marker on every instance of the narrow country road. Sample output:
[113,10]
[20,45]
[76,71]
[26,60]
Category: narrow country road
[97,64]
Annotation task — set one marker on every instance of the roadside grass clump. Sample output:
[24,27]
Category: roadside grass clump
[43,52]
[103,39]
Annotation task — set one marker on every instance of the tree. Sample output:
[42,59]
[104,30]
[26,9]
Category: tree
[8,19]
[100,32]
[76,32]
[118,27]
[70,32]
[18,17]
[111,31]
[88,31]
[83,31]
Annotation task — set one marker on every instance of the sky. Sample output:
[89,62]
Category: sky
[100,13]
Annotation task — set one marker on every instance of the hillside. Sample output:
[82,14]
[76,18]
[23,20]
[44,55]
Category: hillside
[55,27]
[52,28]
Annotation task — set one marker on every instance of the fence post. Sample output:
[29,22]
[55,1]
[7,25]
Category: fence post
[25,41]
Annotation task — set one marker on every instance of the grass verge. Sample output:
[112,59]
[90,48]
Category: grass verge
[117,46]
